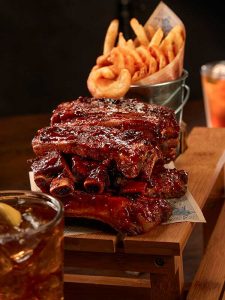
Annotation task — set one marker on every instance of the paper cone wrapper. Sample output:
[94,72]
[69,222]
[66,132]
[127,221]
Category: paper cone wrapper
[165,18]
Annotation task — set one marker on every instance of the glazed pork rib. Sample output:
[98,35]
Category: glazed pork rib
[128,216]
[157,123]
[57,175]
[98,179]
[130,213]
[104,159]
[169,183]
[85,109]
[51,173]
[128,149]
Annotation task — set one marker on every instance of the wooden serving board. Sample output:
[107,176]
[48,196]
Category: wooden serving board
[204,160]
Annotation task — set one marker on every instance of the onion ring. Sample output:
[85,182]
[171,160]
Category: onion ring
[102,82]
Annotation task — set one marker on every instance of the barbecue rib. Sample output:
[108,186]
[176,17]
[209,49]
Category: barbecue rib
[156,122]
[128,148]
[169,183]
[49,167]
[105,159]
[82,167]
[157,118]
[51,170]
[125,215]
[98,179]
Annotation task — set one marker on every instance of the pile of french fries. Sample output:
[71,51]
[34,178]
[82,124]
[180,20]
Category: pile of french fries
[125,62]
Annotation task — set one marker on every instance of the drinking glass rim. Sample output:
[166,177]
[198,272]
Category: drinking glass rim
[38,196]
[206,68]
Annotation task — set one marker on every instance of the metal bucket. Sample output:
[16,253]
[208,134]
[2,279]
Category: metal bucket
[173,94]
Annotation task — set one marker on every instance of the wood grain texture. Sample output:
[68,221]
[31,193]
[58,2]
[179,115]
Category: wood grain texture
[96,242]
[107,280]
[16,134]
[104,292]
[209,281]
[120,261]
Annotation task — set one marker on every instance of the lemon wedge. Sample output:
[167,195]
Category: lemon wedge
[12,215]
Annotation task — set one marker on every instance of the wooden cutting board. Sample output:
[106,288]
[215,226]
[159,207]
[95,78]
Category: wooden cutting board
[203,160]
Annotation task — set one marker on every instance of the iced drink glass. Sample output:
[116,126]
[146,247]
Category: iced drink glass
[213,85]
[31,249]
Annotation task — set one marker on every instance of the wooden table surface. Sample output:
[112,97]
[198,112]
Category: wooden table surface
[16,133]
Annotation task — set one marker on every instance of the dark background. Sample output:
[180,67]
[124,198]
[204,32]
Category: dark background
[48,47]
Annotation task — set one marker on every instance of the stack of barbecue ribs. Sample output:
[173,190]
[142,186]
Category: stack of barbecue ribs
[104,158]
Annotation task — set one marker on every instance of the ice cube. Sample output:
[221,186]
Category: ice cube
[22,255]
[21,250]
[32,221]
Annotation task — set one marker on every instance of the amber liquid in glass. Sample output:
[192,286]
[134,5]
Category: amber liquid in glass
[31,258]
[214,95]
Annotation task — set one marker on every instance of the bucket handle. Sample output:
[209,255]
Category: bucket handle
[187,89]
[171,96]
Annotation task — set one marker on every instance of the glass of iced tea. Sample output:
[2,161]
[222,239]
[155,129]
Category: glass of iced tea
[31,246]
[213,84]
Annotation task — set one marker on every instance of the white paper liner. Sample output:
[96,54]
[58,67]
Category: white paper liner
[165,18]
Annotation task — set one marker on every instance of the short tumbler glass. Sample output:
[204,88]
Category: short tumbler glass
[213,85]
[31,254]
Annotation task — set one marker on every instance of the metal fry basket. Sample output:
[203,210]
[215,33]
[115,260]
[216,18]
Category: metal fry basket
[173,94]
